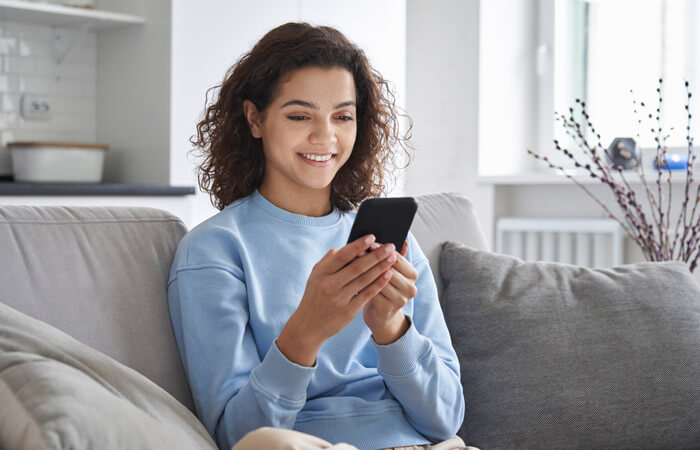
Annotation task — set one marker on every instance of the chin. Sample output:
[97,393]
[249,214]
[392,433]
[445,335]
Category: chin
[319,186]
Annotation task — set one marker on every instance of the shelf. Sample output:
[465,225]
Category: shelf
[64,16]
[10,188]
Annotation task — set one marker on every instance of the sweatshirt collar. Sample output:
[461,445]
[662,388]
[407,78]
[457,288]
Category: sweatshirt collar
[264,204]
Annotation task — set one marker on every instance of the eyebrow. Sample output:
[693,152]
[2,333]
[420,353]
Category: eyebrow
[315,106]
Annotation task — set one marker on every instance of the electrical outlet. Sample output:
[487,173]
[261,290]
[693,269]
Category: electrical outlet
[36,106]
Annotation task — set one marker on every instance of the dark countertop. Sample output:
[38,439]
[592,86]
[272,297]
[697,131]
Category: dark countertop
[92,189]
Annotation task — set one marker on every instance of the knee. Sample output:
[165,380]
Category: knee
[259,438]
[270,438]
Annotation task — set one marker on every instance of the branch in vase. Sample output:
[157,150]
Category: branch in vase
[652,236]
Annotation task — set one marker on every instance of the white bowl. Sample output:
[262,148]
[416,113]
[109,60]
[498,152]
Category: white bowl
[57,162]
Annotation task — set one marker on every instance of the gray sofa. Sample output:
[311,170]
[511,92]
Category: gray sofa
[552,356]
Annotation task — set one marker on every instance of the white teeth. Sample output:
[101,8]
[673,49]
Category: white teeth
[317,157]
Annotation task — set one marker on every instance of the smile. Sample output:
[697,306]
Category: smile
[319,158]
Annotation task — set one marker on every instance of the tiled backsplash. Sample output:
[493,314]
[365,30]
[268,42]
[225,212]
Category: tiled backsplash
[28,66]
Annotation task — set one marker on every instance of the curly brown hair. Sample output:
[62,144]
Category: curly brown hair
[233,163]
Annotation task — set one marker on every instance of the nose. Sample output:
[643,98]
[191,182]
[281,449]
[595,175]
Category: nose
[323,133]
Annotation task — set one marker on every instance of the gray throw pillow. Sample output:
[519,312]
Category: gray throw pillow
[57,393]
[560,356]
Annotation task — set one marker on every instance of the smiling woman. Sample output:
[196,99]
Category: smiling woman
[307,141]
[285,328]
[233,159]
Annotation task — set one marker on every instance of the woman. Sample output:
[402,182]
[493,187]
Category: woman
[280,324]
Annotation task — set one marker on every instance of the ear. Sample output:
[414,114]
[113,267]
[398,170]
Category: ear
[253,117]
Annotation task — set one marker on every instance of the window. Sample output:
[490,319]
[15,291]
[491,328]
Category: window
[605,48]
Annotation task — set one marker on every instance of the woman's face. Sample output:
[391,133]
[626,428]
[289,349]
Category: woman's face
[308,130]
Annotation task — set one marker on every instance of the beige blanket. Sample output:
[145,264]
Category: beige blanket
[56,392]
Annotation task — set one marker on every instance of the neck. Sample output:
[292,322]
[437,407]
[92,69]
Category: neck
[306,202]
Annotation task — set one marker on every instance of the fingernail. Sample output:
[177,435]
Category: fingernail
[389,248]
[392,258]
[387,274]
[375,246]
[369,239]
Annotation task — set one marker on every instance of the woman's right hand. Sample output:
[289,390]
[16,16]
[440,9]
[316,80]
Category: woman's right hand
[339,286]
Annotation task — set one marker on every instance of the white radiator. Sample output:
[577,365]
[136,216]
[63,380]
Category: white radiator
[584,242]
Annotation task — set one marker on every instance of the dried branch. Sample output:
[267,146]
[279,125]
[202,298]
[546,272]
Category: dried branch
[651,234]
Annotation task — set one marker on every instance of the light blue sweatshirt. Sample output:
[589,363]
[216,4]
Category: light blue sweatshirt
[234,283]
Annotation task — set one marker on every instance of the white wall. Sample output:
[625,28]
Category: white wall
[442,96]
[134,93]
[208,36]
[507,85]
[443,100]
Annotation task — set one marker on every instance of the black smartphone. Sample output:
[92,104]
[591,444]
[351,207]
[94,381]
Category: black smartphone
[388,219]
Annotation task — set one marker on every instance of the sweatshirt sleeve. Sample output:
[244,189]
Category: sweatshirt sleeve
[235,389]
[421,368]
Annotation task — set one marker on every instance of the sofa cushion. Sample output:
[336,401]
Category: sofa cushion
[560,356]
[98,274]
[58,393]
[445,217]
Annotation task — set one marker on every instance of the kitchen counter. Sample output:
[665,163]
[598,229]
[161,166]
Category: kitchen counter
[92,189]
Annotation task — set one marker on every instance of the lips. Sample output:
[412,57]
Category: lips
[318,157]
[319,160]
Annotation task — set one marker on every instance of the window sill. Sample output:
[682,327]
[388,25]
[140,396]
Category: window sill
[553,178]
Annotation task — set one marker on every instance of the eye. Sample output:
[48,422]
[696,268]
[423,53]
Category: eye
[346,118]
[297,118]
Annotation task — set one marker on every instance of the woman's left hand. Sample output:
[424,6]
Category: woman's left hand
[383,313]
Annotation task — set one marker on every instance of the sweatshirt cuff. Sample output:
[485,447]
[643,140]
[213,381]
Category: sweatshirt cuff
[281,379]
[401,357]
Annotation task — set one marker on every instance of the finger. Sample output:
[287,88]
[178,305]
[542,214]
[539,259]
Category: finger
[346,254]
[371,291]
[406,268]
[327,257]
[394,294]
[374,246]
[404,249]
[368,276]
[400,286]
[364,263]
[385,305]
